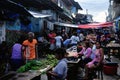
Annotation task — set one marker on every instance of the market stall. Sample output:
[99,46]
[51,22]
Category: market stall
[29,75]
[32,70]
[110,67]
[113,49]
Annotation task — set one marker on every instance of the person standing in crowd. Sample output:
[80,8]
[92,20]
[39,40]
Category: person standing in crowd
[81,36]
[16,57]
[4,57]
[93,46]
[58,40]
[29,47]
[64,35]
[60,70]
[98,36]
[103,40]
[51,37]
[93,38]
[74,39]
[43,46]
[66,43]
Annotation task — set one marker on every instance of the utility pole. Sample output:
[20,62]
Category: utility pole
[87,15]
[106,15]
[86,11]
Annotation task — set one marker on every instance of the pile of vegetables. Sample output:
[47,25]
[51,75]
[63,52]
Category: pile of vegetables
[39,64]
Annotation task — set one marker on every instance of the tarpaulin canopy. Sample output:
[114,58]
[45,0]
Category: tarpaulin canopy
[106,24]
[38,15]
[66,24]
[95,25]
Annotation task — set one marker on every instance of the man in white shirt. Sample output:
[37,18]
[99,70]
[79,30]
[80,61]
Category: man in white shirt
[75,39]
[58,41]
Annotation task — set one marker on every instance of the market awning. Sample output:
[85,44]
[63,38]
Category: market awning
[96,25]
[38,15]
[66,24]
[106,24]
[87,26]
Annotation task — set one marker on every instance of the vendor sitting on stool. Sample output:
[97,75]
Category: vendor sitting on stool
[97,61]
[60,70]
[85,54]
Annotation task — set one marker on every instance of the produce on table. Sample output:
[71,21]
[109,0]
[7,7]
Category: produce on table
[39,64]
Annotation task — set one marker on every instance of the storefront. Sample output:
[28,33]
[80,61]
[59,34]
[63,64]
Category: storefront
[117,23]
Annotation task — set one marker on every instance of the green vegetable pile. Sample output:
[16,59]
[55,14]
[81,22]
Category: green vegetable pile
[38,64]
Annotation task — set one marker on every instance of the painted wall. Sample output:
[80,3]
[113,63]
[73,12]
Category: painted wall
[13,25]
[37,25]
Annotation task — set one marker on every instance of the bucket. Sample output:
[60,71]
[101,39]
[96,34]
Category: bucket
[110,68]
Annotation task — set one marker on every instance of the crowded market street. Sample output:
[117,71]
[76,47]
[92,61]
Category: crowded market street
[59,40]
